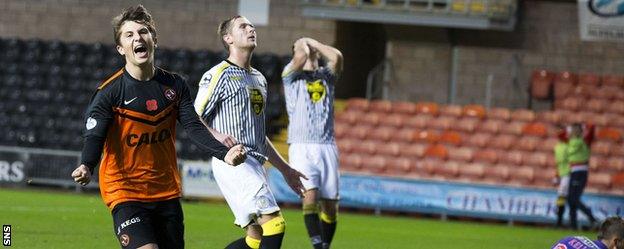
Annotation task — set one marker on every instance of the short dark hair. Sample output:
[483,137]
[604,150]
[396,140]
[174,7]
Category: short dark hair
[136,14]
[612,227]
[225,28]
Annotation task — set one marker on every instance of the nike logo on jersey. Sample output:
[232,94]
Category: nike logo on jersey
[126,102]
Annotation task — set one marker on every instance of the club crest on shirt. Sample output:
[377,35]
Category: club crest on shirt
[257,100]
[124,239]
[316,90]
[170,94]
[152,105]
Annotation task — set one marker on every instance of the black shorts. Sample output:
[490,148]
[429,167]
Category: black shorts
[140,223]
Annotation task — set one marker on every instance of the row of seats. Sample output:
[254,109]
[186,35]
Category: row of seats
[459,137]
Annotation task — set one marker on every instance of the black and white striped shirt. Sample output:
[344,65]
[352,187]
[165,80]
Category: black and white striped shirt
[231,100]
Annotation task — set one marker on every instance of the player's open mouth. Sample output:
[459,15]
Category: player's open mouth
[253,37]
[141,51]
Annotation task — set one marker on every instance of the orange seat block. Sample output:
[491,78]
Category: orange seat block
[589,79]
[427,108]
[475,111]
[383,106]
[499,113]
[451,137]
[419,121]
[609,134]
[413,150]
[541,82]
[503,141]
[523,115]
[404,107]
[358,104]
[512,157]
[535,129]
[487,155]
[566,77]
[478,140]
[451,110]
[393,120]
[461,154]
[436,151]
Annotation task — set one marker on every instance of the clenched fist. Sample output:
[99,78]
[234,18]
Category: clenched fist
[236,155]
[82,175]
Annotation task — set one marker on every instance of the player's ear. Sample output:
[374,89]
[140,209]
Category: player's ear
[120,50]
[228,39]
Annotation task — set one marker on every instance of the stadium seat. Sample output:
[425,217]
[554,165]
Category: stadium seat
[419,121]
[451,110]
[359,131]
[425,167]
[451,138]
[393,120]
[478,140]
[599,119]
[513,128]
[358,104]
[535,129]
[541,83]
[447,170]
[366,147]
[398,166]
[498,173]
[428,108]
[436,151]
[468,125]
[566,77]
[527,143]
[472,171]
[601,181]
[381,133]
[584,90]
[345,144]
[522,175]
[474,111]
[613,80]
[406,135]
[598,163]
[562,90]
[499,113]
[443,122]
[589,79]
[404,107]
[615,120]
[544,178]
[413,150]
[427,136]
[601,148]
[569,103]
[547,145]
[523,115]
[340,129]
[491,126]
[486,155]
[349,116]
[461,154]
[503,141]
[371,118]
[383,106]
[616,107]
[351,162]
[615,164]
[391,149]
[609,134]
[512,157]
[606,93]
[374,164]
[537,159]
[618,150]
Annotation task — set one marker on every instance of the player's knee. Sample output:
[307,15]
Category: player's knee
[310,208]
[274,226]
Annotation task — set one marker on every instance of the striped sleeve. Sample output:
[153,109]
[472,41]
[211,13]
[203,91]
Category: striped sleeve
[288,73]
[210,90]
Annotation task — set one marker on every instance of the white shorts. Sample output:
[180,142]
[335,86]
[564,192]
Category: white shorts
[245,189]
[319,162]
[564,185]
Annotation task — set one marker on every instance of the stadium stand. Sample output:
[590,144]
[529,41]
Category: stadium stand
[46,85]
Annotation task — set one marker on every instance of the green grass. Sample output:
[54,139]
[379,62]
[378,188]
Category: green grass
[44,219]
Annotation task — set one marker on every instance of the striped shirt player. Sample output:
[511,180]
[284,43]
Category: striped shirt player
[309,91]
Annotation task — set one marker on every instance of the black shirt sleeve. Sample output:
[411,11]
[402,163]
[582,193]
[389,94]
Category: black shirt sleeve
[98,116]
[198,132]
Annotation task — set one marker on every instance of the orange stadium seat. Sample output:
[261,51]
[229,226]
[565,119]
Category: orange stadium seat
[383,106]
[393,120]
[365,147]
[503,141]
[613,80]
[357,104]
[407,135]
[351,161]
[584,90]
[359,131]
[345,145]
[475,111]
[398,166]
[451,138]
[461,154]
[426,166]
[448,170]
[566,77]
[419,121]
[535,129]
[597,163]
[589,79]
[616,107]
[523,115]
[371,118]
[606,92]
[498,173]
[472,171]
[437,151]
[601,148]
[340,129]
[443,122]
[499,113]
[541,82]
[536,159]
[487,156]
[609,134]
[427,136]
[374,164]
[618,150]
[523,175]
[601,181]
[413,150]
[544,178]
[348,116]
[547,145]
[599,119]
[513,128]
[615,164]
[478,140]
[427,108]
[390,149]
[595,105]
[570,103]
[451,110]
[468,125]
[404,107]
[511,157]
[551,117]
[492,126]
[562,90]
[527,143]
[381,133]
[615,120]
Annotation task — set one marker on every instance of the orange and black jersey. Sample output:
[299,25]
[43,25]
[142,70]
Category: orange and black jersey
[131,125]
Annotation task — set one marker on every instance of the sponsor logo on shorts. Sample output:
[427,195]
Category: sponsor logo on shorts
[262,202]
[124,239]
[128,223]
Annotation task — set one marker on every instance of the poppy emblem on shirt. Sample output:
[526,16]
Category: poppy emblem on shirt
[152,105]
[316,90]
[124,239]
[170,94]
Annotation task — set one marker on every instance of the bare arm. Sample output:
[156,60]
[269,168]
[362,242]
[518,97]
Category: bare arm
[332,55]
[301,51]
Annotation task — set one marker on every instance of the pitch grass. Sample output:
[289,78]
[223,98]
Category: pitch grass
[47,219]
